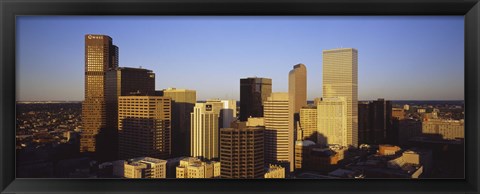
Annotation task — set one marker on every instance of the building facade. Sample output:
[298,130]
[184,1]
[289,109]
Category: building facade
[332,121]
[275,172]
[308,123]
[195,168]
[205,125]
[121,81]
[277,144]
[183,101]
[145,167]
[241,151]
[340,79]
[297,95]
[444,129]
[100,56]
[253,93]
[144,124]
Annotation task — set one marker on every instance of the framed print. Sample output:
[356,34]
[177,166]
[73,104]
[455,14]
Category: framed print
[234,97]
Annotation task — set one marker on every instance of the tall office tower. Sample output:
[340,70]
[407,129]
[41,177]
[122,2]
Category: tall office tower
[121,81]
[241,151]
[145,167]
[375,123]
[253,93]
[340,79]
[183,102]
[381,117]
[100,56]
[205,125]
[364,123]
[308,123]
[277,140]
[297,98]
[332,121]
[144,126]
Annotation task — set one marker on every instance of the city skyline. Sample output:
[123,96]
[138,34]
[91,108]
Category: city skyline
[442,75]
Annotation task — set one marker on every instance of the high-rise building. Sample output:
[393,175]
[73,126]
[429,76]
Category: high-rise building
[195,168]
[308,123]
[253,93]
[183,102]
[144,125]
[121,81]
[205,125]
[375,122]
[340,79]
[364,122]
[145,167]
[332,121]
[297,95]
[241,151]
[381,115]
[100,56]
[277,133]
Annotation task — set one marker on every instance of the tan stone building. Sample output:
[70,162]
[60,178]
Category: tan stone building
[144,124]
[308,123]
[195,168]
[446,129]
[340,79]
[204,133]
[275,171]
[145,167]
[332,121]
[241,151]
[183,101]
[297,95]
[277,140]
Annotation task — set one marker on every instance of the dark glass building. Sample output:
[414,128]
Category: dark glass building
[375,122]
[253,92]
[100,56]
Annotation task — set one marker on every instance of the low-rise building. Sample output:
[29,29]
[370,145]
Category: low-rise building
[192,167]
[275,171]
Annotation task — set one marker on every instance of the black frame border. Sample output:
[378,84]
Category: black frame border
[9,9]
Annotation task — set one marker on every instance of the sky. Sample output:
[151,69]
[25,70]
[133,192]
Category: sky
[399,57]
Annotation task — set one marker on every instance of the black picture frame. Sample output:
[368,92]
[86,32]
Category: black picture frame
[9,9]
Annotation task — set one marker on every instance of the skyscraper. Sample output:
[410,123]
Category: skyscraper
[144,124]
[100,56]
[277,140]
[253,93]
[121,81]
[340,79]
[375,122]
[241,151]
[297,98]
[205,121]
[183,102]
[332,121]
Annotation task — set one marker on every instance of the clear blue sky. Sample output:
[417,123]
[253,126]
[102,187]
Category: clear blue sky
[399,57]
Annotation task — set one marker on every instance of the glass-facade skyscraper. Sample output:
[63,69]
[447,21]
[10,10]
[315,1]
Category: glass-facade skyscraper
[100,56]
[253,93]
